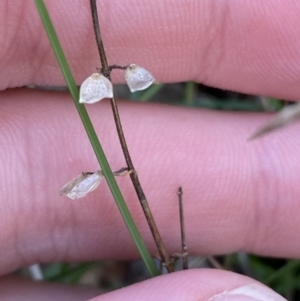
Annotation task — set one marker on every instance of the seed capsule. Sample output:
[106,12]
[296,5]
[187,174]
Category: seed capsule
[95,88]
[138,78]
[82,185]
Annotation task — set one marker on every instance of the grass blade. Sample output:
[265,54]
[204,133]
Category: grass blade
[152,269]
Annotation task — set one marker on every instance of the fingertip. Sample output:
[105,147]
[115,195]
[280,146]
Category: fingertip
[204,284]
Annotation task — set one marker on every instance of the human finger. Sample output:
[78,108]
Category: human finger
[17,288]
[249,47]
[237,195]
[204,285]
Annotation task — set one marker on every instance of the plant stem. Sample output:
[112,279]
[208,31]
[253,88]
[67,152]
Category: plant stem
[134,177]
[184,253]
[111,181]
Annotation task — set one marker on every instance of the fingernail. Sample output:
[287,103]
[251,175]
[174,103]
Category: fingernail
[250,292]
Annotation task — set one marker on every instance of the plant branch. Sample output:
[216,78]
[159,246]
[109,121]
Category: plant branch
[184,253]
[98,36]
[111,181]
[134,177]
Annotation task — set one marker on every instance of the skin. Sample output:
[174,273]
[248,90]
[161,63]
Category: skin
[239,196]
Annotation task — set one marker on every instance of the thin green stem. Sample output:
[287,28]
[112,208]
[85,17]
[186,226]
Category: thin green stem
[153,271]
[189,92]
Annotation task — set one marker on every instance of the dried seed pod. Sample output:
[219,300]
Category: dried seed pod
[95,88]
[138,78]
[286,116]
[82,185]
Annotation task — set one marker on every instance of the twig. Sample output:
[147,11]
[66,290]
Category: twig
[284,117]
[184,252]
[106,69]
[215,263]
